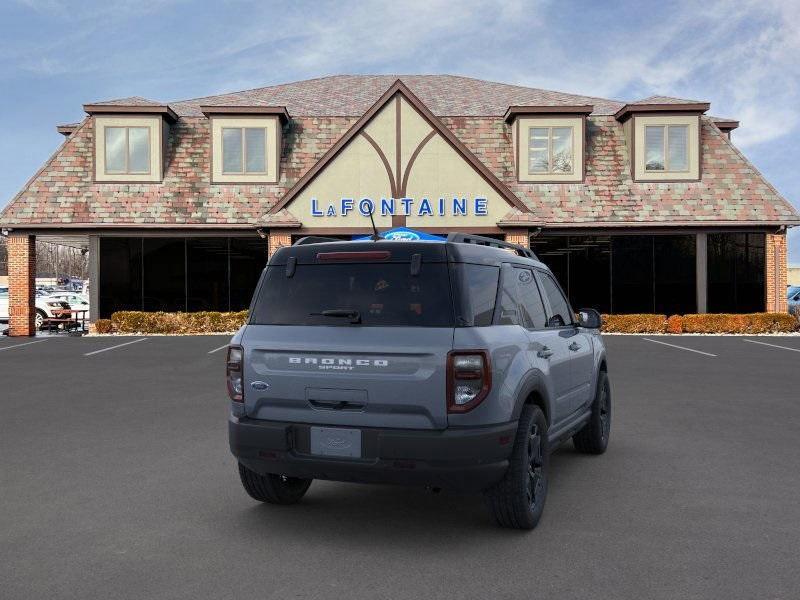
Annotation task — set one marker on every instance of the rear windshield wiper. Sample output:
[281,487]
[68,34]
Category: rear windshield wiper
[342,313]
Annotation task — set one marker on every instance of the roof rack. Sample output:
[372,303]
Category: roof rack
[479,240]
[314,239]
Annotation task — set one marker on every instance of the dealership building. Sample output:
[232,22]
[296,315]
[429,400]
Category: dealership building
[640,206]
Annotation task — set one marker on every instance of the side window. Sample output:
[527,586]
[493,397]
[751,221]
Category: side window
[531,305]
[561,312]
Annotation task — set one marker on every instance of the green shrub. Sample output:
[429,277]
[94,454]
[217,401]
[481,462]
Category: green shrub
[163,322]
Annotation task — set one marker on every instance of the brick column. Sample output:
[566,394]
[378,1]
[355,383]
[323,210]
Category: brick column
[21,284]
[278,239]
[520,237]
[775,273]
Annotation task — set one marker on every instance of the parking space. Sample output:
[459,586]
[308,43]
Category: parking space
[117,482]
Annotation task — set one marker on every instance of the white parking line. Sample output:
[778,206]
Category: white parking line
[772,345]
[680,347]
[114,347]
[20,345]
[218,349]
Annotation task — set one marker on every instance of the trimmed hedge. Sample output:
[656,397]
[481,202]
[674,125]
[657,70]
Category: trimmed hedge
[129,321]
[708,323]
[103,326]
[748,323]
[634,323]
[224,322]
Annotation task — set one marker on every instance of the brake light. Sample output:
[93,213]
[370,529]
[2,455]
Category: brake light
[469,379]
[368,255]
[233,373]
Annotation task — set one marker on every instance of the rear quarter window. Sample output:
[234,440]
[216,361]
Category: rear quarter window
[476,293]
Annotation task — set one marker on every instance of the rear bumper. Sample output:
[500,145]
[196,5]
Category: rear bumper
[466,459]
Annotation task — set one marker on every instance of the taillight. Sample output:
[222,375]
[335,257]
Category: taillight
[233,372]
[469,379]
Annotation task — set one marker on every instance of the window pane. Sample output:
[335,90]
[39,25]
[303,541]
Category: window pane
[538,150]
[562,149]
[164,274]
[248,259]
[632,274]
[674,272]
[384,294]
[589,272]
[558,304]
[736,272]
[138,149]
[552,251]
[115,149]
[120,266]
[654,148]
[231,150]
[207,274]
[678,140]
[531,305]
[478,289]
[255,139]
[509,300]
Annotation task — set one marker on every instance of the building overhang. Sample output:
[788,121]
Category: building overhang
[217,110]
[575,110]
[131,109]
[698,108]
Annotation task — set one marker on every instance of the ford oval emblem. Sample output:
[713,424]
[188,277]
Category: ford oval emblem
[259,385]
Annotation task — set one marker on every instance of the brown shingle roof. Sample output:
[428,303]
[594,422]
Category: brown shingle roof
[352,95]
[62,193]
[130,101]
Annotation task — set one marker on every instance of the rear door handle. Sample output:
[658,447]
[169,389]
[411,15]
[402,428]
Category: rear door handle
[545,352]
[574,347]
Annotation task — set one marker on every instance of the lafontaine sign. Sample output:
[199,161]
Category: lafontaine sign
[422,207]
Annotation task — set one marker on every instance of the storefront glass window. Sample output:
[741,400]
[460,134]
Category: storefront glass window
[179,274]
[736,272]
[120,274]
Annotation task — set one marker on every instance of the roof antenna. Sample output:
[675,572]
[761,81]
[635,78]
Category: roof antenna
[375,236]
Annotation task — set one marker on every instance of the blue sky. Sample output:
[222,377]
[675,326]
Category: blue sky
[56,55]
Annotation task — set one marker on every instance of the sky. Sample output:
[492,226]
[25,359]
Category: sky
[739,55]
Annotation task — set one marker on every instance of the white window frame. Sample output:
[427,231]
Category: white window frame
[665,148]
[244,171]
[127,129]
[550,129]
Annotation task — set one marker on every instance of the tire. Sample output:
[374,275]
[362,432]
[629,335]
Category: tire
[593,438]
[39,318]
[517,501]
[271,488]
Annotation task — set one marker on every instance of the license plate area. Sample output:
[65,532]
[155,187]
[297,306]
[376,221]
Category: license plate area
[335,441]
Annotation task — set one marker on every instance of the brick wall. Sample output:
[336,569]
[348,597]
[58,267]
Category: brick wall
[776,273]
[278,239]
[519,237]
[21,284]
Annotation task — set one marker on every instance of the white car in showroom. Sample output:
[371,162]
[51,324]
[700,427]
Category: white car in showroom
[47,307]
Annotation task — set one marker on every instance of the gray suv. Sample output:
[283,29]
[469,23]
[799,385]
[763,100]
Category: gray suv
[456,364]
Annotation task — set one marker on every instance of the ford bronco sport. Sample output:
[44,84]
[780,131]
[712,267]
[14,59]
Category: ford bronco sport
[456,364]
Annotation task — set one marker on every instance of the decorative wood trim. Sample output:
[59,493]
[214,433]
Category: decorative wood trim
[412,158]
[131,109]
[629,109]
[384,160]
[279,111]
[399,87]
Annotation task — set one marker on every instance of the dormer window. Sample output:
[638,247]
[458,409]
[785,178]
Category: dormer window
[548,142]
[127,150]
[130,140]
[245,143]
[550,150]
[666,148]
[244,150]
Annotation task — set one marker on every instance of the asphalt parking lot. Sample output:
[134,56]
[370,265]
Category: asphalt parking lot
[116,482]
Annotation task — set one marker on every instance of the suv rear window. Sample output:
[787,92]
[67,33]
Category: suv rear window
[384,294]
